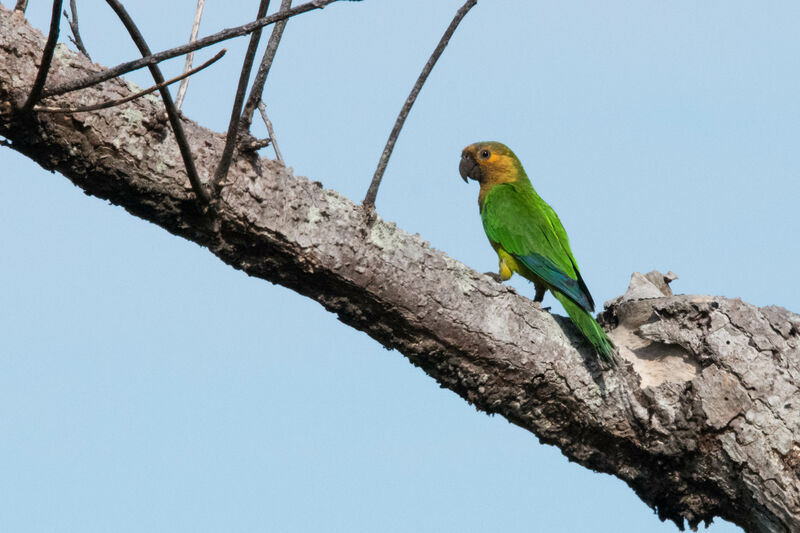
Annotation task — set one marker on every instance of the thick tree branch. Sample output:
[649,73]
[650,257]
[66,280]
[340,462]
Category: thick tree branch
[703,419]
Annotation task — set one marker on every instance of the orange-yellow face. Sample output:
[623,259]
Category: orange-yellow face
[490,163]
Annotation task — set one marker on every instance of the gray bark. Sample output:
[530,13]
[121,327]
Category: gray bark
[701,418]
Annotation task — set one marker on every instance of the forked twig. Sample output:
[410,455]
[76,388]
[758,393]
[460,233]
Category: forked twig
[244,78]
[263,109]
[172,112]
[120,101]
[372,192]
[198,14]
[263,69]
[73,25]
[47,57]
[153,59]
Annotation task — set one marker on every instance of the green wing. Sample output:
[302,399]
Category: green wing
[527,228]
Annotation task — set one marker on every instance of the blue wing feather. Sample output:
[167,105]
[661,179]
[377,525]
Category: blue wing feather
[575,289]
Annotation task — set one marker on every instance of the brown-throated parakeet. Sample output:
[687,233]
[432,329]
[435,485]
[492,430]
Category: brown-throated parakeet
[528,236]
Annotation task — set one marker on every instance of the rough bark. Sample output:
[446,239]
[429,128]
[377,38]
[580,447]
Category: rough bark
[701,419]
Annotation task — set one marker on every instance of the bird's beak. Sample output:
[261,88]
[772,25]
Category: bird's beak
[468,168]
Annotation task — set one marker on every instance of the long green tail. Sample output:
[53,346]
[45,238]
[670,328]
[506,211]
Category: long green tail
[590,328]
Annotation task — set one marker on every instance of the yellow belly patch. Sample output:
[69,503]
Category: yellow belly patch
[508,265]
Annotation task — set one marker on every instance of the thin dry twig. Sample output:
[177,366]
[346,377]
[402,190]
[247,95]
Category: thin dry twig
[372,192]
[47,57]
[198,14]
[73,25]
[153,59]
[263,69]
[22,5]
[172,112]
[120,101]
[244,78]
[263,109]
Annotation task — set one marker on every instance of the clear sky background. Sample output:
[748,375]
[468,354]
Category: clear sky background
[146,386]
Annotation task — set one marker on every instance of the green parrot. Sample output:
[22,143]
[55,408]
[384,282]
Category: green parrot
[529,238]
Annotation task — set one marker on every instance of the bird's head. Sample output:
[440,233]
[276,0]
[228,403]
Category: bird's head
[490,163]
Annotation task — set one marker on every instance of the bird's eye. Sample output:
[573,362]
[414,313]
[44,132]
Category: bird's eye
[485,154]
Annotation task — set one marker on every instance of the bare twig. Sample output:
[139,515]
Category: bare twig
[22,5]
[263,70]
[372,192]
[114,103]
[198,14]
[47,57]
[223,35]
[73,25]
[172,113]
[244,78]
[263,109]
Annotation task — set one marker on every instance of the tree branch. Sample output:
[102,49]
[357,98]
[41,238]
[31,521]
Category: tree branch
[47,57]
[93,78]
[73,25]
[238,100]
[120,101]
[198,14]
[701,419]
[172,112]
[254,97]
[262,108]
[372,192]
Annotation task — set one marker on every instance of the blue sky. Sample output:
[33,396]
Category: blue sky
[145,386]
